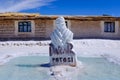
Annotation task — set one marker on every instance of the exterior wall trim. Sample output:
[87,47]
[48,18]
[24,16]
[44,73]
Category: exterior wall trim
[108,34]
[32,33]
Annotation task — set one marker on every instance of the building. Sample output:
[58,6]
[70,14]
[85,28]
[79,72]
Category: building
[23,26]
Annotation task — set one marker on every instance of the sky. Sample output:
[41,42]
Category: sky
[62,7]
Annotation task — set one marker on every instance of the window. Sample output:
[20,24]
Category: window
[24,26]
[109,27]
[66,22]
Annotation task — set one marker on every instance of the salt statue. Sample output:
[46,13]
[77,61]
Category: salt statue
[61,47]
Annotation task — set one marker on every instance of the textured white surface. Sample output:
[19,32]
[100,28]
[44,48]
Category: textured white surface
[109,49]
[61,35]
[61,48]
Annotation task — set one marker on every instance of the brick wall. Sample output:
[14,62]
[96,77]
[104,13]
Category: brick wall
[44,27]
[86,28]
[40,28]
[7,28]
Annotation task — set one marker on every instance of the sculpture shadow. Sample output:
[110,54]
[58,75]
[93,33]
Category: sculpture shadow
[46,65]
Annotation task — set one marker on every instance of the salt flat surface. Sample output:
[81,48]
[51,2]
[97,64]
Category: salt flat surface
[95,48]
[37,68]
[109,49]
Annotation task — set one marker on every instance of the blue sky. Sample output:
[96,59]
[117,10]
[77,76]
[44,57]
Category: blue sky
[62,7]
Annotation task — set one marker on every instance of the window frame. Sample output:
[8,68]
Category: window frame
[66,23]
[109,27]
[32,33]
[24,26]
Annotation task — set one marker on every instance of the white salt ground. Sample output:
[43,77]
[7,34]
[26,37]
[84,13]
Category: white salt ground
[65,72]
[109,49]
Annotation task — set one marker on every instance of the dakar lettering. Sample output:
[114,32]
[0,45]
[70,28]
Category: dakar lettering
[60,50]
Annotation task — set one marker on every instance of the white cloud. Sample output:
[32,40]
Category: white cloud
[19,5]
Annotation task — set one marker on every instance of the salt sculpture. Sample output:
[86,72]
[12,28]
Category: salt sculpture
[61,48]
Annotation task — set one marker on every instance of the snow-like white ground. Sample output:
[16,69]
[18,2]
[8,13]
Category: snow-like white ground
[109,49]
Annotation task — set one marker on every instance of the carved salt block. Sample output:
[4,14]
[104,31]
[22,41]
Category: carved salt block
[62,56]
[61,47]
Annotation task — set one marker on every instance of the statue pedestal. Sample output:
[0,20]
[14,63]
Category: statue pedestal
[62,56]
